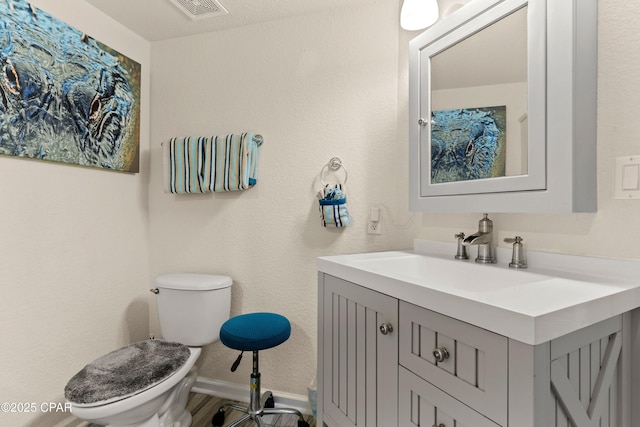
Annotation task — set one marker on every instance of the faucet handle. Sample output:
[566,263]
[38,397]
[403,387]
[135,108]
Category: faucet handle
[462,250]
[516,239]
[517,257]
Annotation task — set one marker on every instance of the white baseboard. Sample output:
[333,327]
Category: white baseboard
[240,393]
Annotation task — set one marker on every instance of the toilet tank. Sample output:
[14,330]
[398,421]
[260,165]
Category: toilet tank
[193,307]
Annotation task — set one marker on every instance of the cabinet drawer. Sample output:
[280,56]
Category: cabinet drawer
[476,364]
[421,404]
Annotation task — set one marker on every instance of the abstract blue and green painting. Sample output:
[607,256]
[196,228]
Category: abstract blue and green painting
[468,144]
[64,96]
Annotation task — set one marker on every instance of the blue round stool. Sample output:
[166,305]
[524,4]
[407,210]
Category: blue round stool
[254,332]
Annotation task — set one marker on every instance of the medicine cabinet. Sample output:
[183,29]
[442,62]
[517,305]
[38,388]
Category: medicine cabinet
[502,109]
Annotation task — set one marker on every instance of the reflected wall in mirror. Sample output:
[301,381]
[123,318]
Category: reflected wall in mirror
[502,108]
[479,104]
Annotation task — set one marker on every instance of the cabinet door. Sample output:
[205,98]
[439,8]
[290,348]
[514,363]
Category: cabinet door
[474,370]
[360,362]
[586,375]
[424,405]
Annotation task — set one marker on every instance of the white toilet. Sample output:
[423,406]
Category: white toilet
[114,390]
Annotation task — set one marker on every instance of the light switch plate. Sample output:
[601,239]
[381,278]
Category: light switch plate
[627,179]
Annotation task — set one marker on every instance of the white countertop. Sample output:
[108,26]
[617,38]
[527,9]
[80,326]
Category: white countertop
[556,295]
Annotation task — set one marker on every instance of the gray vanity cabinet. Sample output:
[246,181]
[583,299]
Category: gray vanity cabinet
[578,380]
[358,369]
[384,362]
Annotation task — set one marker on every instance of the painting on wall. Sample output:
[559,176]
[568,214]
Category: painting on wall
[64,96]
[468,144]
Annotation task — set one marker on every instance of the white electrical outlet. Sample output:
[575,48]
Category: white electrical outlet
[374,224]
[374,228]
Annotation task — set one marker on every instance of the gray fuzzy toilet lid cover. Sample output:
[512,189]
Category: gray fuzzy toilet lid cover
[125,372]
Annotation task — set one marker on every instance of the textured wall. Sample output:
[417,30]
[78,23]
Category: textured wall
[316,87]
[73,255]
[336,84]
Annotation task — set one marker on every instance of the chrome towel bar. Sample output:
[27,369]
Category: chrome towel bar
[257,138]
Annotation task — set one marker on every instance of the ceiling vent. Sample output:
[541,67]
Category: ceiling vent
[200,9]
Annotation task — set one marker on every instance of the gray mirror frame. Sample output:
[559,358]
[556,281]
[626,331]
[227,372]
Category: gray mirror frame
[562,65]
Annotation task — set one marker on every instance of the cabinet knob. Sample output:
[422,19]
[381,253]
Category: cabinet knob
[422,122]
[441,354]
[386,328]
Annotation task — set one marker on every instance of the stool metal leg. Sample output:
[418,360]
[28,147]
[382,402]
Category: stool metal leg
[239,421]
[284,411]
[257,403]
[255,406]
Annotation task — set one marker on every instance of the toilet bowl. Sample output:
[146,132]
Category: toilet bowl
[191,308]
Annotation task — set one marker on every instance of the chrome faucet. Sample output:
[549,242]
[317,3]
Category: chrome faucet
[483,238]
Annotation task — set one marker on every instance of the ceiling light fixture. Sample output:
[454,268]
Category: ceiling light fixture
[418,14]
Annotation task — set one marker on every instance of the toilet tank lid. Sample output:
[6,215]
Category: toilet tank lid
[193,282]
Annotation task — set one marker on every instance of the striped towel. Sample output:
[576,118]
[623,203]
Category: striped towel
[333,206]
[185,164]
[230,162]
[203,164]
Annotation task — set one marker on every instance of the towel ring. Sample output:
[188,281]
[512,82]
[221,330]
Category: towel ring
[334,164]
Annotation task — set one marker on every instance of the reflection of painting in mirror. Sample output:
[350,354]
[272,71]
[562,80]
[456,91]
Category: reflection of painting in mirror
[468,144]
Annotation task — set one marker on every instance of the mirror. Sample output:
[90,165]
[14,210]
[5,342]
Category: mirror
[491,126]
[479,104]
